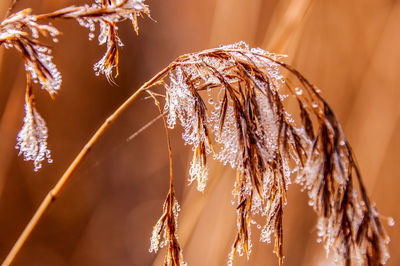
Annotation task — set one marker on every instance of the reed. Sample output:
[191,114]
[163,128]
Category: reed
[243,107]
[22,30]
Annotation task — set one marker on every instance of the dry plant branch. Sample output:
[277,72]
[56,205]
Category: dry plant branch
[53,193]
[256,135]
[167,225]
[11,7]
[269,127]
[22,31]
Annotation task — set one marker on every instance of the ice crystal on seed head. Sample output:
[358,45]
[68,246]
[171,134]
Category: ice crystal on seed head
[198,170]
[180,106]
[164,232]
[160,236]
[32,138]
[233,102]
[137,5]
[42,69]
[240,124]
[238,45]
[38,59]
[122,10]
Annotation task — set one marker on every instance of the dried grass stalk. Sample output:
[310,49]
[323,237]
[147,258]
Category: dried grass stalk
[247,108]
[238,105]
[22,31]
[165,230]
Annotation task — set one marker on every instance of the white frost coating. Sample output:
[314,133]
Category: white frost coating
[123,10]
[180,105]
[49,77]
[156,241]
[38,59]
[137,5]
[269,130]
[129,4]
[103,35]
[161,236]
[199,172]
[236,80]
[228,137]
[32,138]
[234,46]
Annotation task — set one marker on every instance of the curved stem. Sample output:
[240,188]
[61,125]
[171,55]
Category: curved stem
[53,193]
[11,7]
[171,175]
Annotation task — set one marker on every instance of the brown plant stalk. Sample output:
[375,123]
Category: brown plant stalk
[22,30]
[167,225]
[54,192]
[267,121]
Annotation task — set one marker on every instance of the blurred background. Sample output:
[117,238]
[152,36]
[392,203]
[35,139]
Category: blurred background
[105,214]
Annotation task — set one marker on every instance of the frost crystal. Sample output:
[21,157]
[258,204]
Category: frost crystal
[32,138]
[38,59]
[164,232]
[116,11]
[42,69]
[198,171]
[239,125]
[233,103]
[22,31]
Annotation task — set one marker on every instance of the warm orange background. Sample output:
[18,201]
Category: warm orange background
[349,48]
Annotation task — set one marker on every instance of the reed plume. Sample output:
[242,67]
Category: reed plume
[243,107]
[247,108]
[22,30]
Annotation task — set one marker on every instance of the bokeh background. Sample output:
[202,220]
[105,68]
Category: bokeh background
[104,216]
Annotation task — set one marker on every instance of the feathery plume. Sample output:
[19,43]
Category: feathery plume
[22,30]
[233,103]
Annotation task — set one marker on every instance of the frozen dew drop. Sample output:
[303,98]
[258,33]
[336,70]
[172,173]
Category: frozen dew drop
[35,33]
[390,221]
[314,104]
[298,91]
[211,101]
[55,40]
[91,36]
[258,51]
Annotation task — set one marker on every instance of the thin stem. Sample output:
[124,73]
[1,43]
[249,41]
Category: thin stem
[68,12]
[53,193]
[143,128]
[11,7]
[171,176]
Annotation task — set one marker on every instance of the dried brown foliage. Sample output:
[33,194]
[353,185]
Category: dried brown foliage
[249,123]
[165,230]
[22,30]
[244,107]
